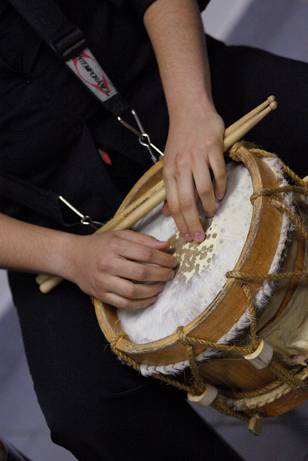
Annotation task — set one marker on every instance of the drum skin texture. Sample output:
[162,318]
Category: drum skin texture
[272,246]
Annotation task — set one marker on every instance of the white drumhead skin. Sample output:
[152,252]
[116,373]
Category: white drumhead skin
[202,268]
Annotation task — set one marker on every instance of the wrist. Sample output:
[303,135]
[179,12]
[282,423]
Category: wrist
[185,105]
[61,261]
[190,108]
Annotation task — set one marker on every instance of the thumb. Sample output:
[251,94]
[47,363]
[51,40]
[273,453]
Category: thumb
[165,210]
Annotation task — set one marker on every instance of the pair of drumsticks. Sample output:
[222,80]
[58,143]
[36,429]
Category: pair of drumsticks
[140,207]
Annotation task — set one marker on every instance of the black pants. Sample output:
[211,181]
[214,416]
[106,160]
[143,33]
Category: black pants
[96,407]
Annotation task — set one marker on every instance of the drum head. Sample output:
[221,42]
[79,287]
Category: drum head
[201,267]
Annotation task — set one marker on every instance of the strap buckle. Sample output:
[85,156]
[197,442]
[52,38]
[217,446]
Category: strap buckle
[70,45]
[85,220]
[143,137]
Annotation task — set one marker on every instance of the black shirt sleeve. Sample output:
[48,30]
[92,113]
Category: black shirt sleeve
[142,5]
[203,4]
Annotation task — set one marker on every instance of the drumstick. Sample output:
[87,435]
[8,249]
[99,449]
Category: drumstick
[50,283]
[269,101]
[157,194]
[42,278]
[134,212]
[248,125]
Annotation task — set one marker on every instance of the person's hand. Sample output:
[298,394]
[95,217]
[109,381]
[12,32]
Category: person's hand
[113,267]
[194,165]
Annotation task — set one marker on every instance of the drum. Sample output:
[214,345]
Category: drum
[231,329]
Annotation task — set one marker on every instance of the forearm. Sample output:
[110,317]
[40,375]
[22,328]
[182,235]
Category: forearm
[193,160]
[176,32]
[29,248]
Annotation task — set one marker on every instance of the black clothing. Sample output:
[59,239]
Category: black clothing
[50,127]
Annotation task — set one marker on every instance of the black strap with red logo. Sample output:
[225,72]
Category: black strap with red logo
[70,45]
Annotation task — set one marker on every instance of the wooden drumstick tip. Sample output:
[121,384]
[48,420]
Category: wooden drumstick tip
[273,105]
[271,98]
[49,284]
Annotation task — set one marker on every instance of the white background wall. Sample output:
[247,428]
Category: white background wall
[279,26]
[221,16]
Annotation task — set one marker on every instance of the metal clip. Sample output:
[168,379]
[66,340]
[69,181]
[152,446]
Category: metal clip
[144,138]
[84,219]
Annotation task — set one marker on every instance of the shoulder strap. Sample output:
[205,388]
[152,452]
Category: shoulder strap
[34,198]
[51,25]
[44,202]
[70,45]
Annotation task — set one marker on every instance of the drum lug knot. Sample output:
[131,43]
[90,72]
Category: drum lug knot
[205,399]
[255,424]
[114,342]
[181,335]
[262,356]
[234,152]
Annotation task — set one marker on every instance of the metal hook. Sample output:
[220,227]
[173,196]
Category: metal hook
[144,138]
[84,219]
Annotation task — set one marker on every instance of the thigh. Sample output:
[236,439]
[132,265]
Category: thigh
[243,77]
[153,423]
[96,407]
